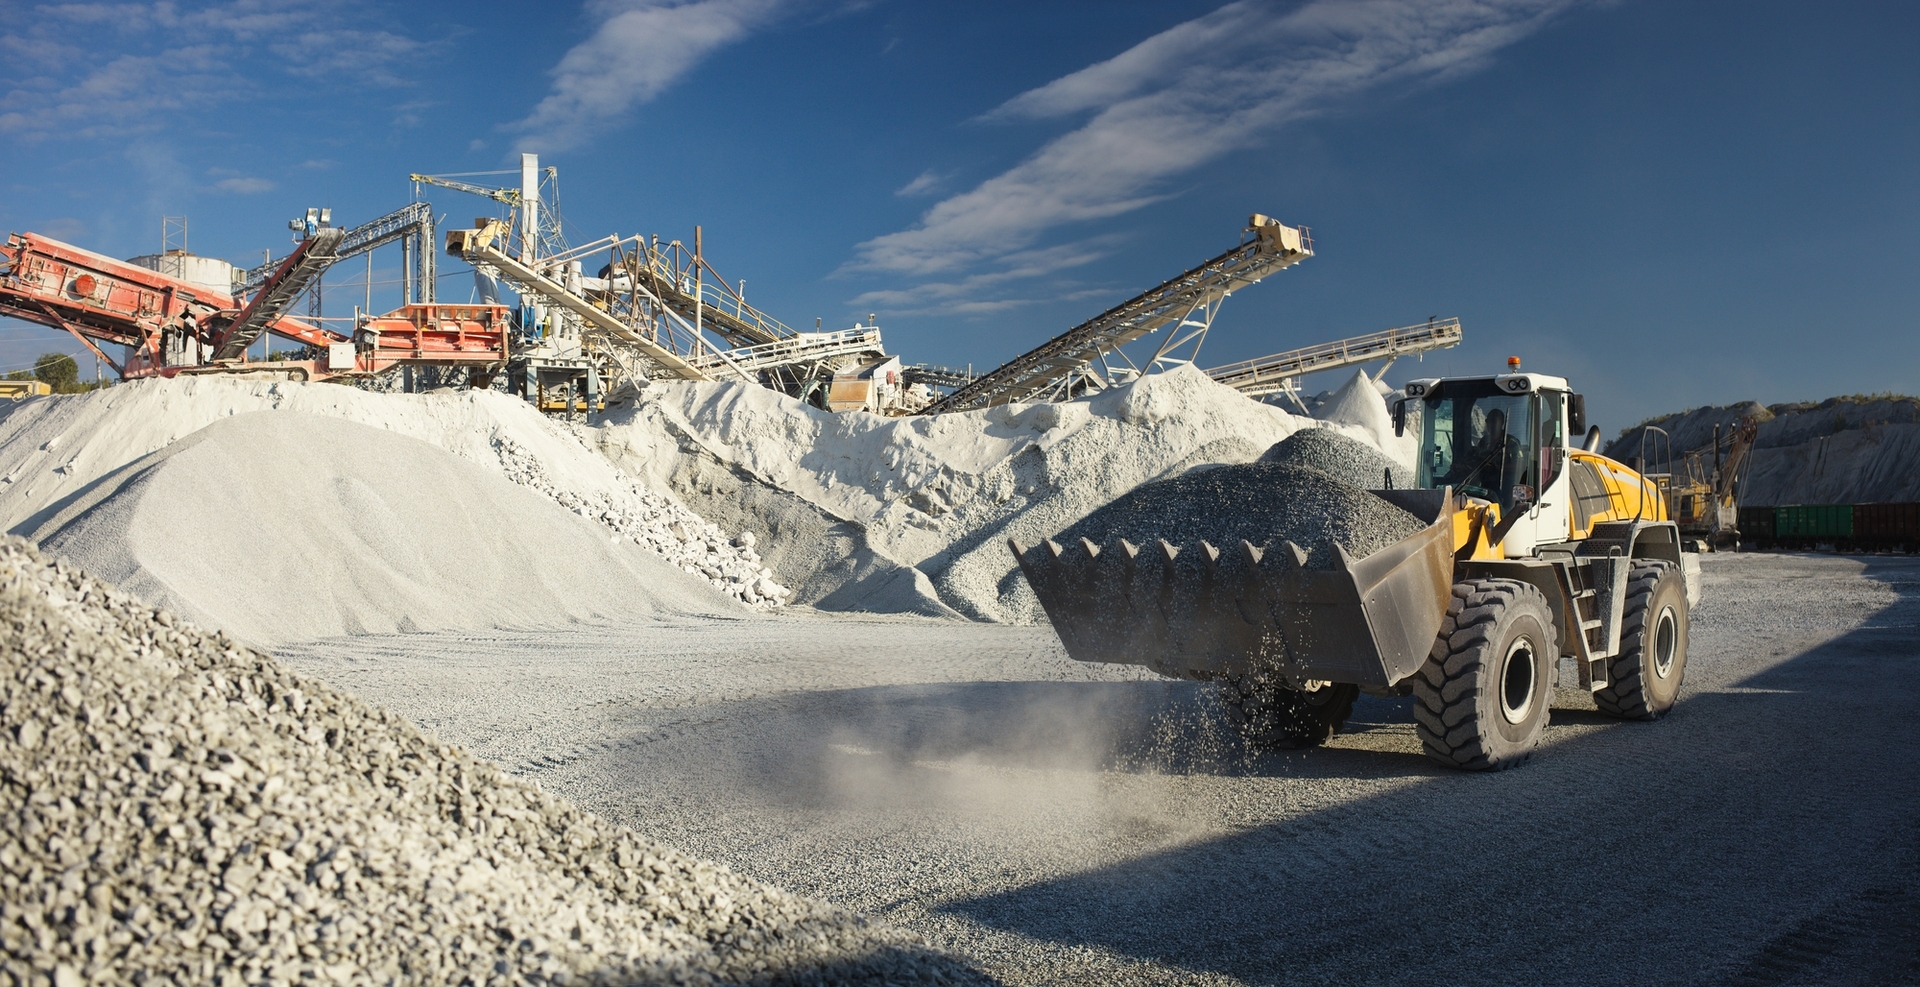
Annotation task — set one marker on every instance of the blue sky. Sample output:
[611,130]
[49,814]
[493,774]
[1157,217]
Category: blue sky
[1672,203]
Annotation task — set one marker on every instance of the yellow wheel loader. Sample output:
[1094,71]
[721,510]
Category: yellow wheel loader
[1538,553]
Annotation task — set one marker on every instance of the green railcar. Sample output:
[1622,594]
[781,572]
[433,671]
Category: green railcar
[1826,521]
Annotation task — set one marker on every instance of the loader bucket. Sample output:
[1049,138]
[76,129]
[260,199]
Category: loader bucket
[1200,611]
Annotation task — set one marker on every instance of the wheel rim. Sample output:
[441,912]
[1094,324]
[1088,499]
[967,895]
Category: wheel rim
[1666,642]
[1517,681]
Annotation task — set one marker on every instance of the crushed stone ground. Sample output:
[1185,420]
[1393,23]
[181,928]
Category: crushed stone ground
[183,810]
[1070,824]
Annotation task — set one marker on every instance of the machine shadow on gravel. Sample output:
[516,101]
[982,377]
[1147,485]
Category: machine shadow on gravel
[1757,836]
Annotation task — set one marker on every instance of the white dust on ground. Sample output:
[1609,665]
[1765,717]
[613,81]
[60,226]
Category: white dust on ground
[912,514]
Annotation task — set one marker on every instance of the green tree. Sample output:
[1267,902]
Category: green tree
[58,370]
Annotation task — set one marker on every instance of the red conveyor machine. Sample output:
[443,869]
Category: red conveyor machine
[172,327]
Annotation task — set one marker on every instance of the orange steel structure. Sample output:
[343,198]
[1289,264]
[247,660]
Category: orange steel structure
[171,327]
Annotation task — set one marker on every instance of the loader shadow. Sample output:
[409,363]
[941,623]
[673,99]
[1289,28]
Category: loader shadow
[1706,846]
[885,964]
[1566,714]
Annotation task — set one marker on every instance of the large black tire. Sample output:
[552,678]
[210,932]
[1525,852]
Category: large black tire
[1271,714]
[1482,698]
[1644,678]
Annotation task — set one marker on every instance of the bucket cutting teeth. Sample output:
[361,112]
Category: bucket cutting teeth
[1369,621]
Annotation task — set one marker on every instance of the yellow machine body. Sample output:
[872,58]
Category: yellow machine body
[1550,513]
[1557,549]
[1630,496]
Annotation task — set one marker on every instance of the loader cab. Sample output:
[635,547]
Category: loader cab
[1501,439]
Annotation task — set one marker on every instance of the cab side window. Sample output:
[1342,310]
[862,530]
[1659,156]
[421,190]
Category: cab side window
[1553,437]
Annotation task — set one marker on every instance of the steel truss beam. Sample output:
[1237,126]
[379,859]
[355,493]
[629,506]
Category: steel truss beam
[1279,372]
[411,226]
[1085,356]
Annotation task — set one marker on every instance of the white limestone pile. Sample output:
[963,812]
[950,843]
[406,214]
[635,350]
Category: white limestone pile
[56,451]
[282,526]
[182,810]
[865,512]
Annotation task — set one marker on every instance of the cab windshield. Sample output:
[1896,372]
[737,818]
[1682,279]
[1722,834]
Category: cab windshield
[1479,441]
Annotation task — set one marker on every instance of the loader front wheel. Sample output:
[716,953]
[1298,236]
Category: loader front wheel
[1271,714]
[1644,678]
[1481,700]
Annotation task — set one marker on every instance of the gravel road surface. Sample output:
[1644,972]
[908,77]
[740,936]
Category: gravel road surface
[1063,823]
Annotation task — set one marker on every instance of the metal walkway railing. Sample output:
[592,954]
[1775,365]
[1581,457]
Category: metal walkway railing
[804,347]
[1271,374]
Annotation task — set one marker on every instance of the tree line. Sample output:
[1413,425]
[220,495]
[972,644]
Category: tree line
[60,372]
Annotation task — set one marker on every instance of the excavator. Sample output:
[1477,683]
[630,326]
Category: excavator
[1706,506]
[1537,554]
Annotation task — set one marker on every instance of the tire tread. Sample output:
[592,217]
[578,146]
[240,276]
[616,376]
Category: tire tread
[1446,689]
[1625,695]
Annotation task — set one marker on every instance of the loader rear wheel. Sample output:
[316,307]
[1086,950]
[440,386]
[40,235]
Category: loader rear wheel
[1271,714]
[1644,678]
[1482,698]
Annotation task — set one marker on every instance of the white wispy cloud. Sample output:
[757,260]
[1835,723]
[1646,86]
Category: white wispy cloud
[965,295]
[639,49]
[244,186]
[925,183]
[336,53]
[170,60]
[1182,98]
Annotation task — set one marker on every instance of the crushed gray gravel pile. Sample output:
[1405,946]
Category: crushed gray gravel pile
[1350,461]
[1262,503]
[182,810]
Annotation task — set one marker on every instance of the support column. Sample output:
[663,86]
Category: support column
[529,207]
